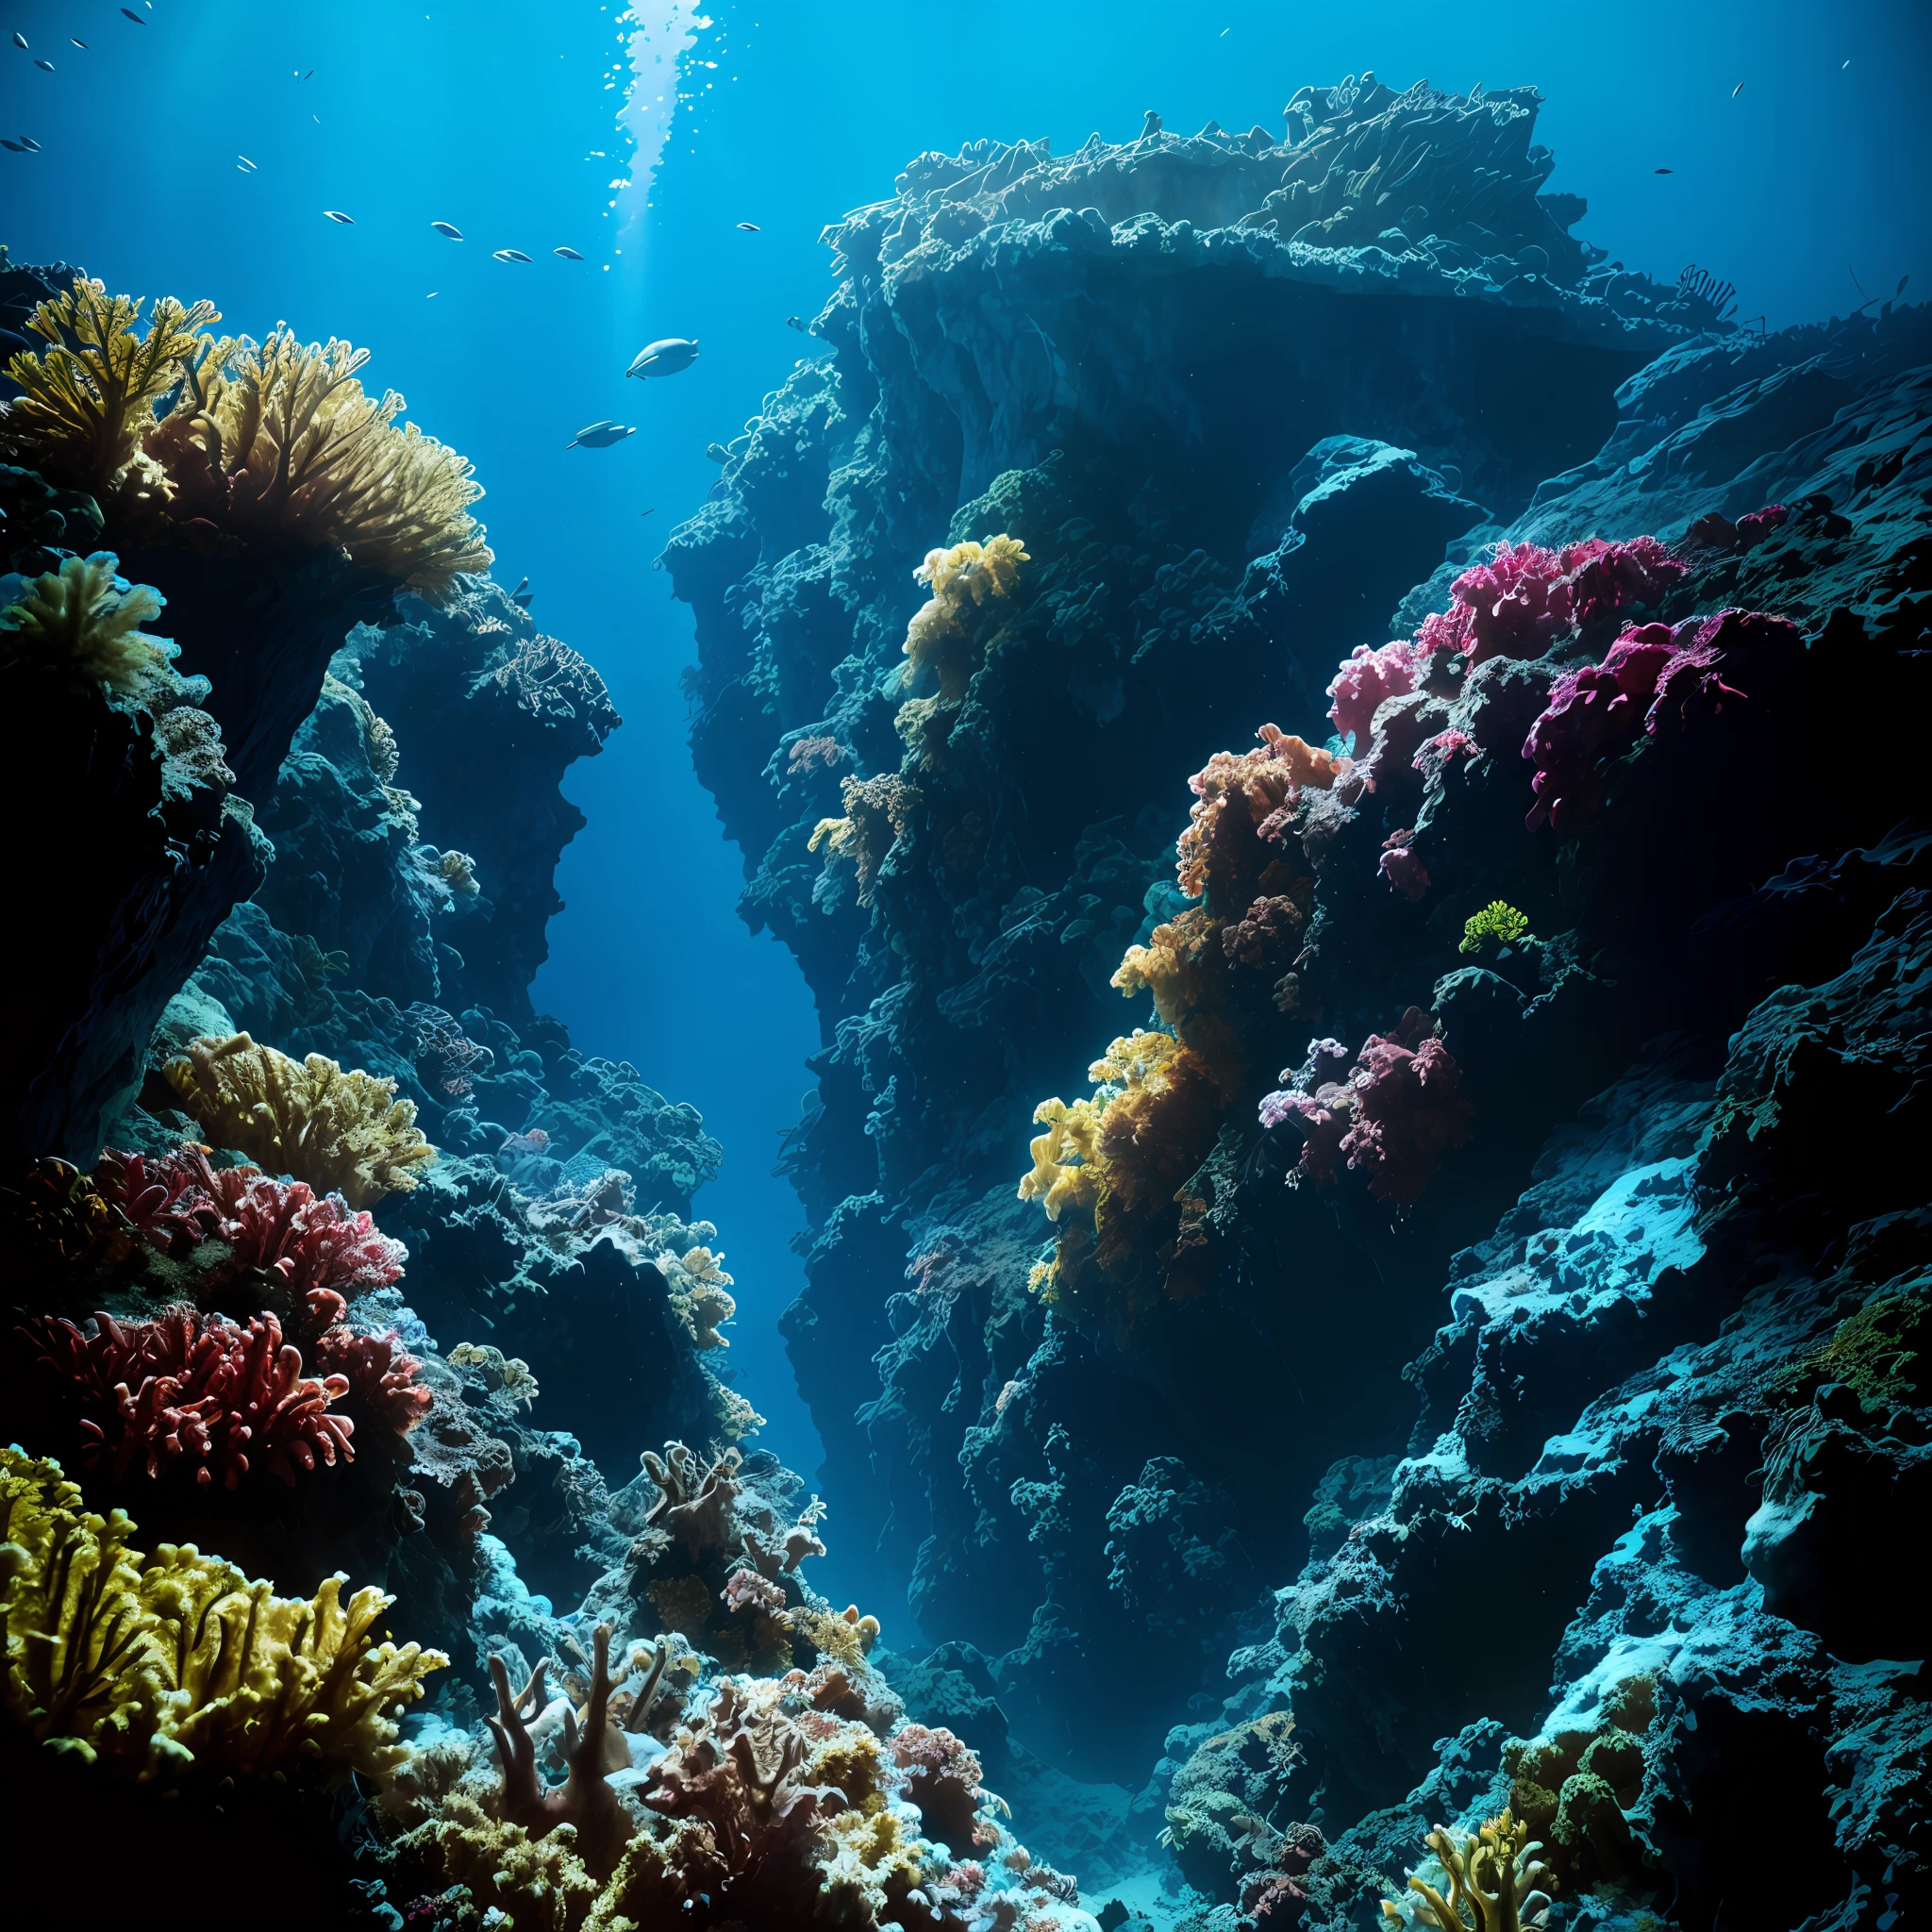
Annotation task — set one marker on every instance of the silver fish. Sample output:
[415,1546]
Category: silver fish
[448,228]
[31,145]
[509,255]
[245,162]
[666,357]
[80,43]
[1737,91]
[20,40]
[46,66]
[134,16]
[335,214]
[11,147]
[568,254]
[599,436]
[751,228]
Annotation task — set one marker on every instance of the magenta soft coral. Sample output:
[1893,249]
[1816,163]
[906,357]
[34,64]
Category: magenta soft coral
[1393,1116]
[1654,676]
[189,1391]
[282,1231]
[1368,676]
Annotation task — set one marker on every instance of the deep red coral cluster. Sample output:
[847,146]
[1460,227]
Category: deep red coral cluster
[1395,1115]
[189,1391]
[279,1232]
[1652,676]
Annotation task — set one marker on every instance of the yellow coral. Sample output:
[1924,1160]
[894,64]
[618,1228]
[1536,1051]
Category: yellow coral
[1494,1881]
[182,1662]
[543,1883]
[701,1295]
[281,444]
[878,813]
[342,1133]
[1067,1170]
[86,622]
[89,397]
[967,573]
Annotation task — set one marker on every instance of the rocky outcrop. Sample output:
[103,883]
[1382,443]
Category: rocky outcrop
[1111,359]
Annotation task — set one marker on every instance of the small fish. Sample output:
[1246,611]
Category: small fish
[751,228]
[1843,66]
[509,255]
[81,44]
[1663,171]
[717,452]
[1737,91]
[568,254]
[651,513]
[245,162]
[432,295]
[335,214]
[793,322]
[134,16]
[1895,293]
[665,356]
[11,147]
[448,229]
[599,436]
[46,66]
[20,40]
[310,76]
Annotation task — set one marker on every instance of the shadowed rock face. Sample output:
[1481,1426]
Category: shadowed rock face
[1238,417]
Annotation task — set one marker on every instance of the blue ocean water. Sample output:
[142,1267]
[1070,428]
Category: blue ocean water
[196,150]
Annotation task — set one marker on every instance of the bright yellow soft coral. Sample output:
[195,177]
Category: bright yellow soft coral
[967,573]
[281,444]
[342,1133]
[180,1662]
[1494,1881]
[89,397]
[85,622]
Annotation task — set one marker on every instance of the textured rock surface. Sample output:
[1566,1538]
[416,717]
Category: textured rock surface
[1601,1577]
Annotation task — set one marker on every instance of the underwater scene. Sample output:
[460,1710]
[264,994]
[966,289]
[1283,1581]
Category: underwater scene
[1097,1096]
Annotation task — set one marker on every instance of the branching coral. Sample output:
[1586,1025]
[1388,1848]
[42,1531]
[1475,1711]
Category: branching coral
[89,397]
[188,1391]
[1498,921]
[877,811]
[701,1293]
[346,1132]
[507,1377]
[1224,851]
[967,573]
[86,623]
[1494,1881]
[942,1778]
[279,445]
[1393,1115]
[181,1663]
[230,1227]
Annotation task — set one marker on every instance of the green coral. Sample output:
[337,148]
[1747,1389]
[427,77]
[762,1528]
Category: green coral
[86,620]
[1494,1881]
[1866,1352]
[1497,921]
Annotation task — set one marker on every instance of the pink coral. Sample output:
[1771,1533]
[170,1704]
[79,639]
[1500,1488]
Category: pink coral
[1366,678]
[942,1778]
[1394,1117]
[1402,868]
[1652,676]
[1435,753]
[1622,577]
[189,1391]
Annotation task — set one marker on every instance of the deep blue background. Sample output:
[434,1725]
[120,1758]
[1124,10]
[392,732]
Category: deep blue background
[488,115]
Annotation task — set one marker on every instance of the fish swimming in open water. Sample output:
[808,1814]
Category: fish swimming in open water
[666,357]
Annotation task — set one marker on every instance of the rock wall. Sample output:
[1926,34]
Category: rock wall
[1224,391]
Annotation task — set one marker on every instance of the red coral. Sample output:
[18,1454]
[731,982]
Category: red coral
[1436,753]
[1368,676]
[189,1391]
[381,1378]
[282,1231]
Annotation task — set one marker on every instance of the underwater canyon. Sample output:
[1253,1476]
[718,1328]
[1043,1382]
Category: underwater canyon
[1363,1287]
